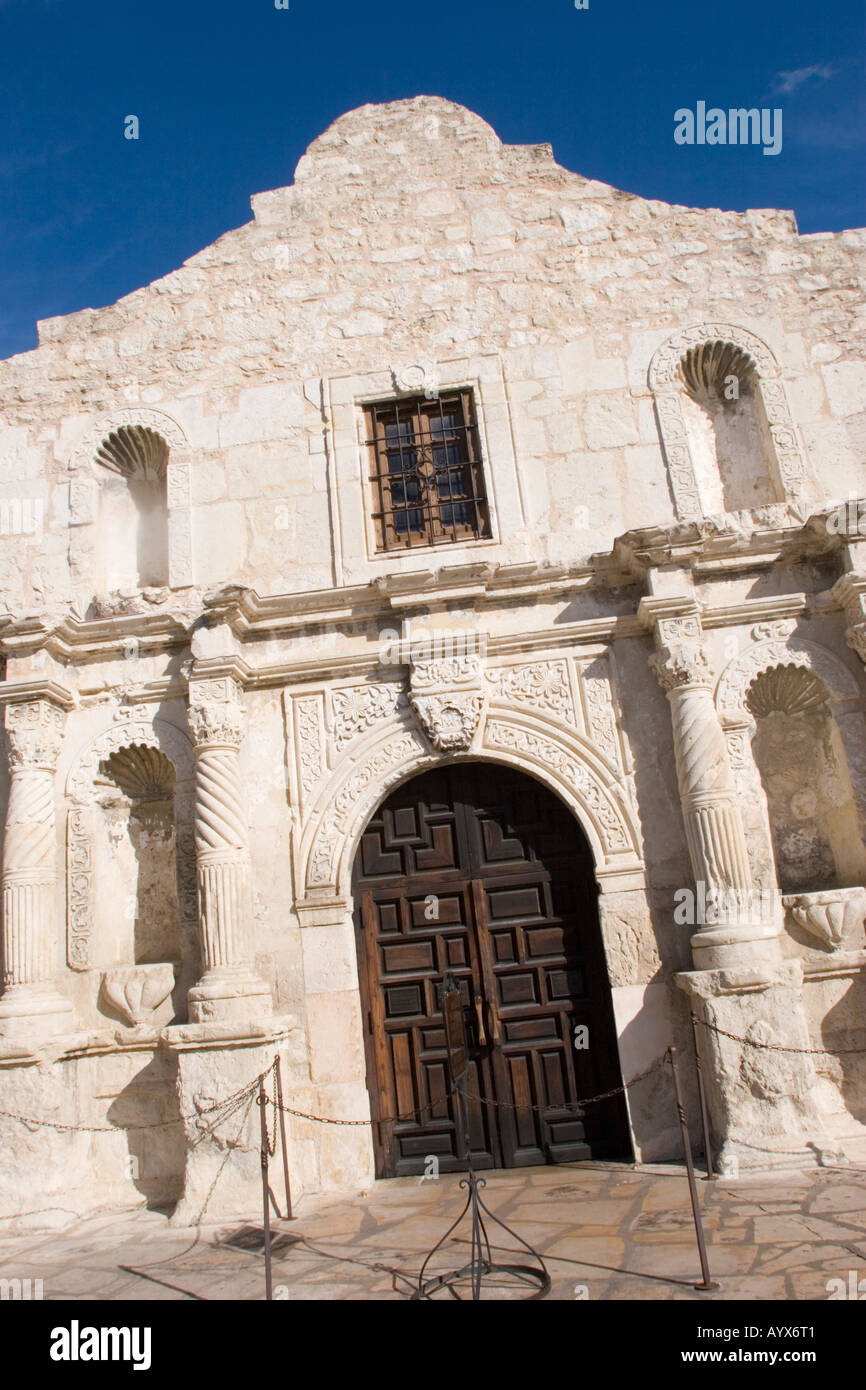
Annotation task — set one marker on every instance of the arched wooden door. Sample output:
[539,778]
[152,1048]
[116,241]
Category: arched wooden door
[477,869]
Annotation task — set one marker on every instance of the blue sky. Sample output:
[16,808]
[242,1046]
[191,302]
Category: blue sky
[229,94]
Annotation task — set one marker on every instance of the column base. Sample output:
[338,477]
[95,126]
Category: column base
[759,1077]
[34,1011]
[222,1170]
[722,948]
[230,992]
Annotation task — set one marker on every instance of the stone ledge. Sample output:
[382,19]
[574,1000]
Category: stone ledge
[180,1037]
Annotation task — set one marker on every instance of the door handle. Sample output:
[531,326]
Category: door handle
[479,1014]
[497,1036]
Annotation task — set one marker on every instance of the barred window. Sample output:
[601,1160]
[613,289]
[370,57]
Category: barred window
[426,472]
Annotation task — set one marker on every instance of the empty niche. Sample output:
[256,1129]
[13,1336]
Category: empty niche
[133,513]
[810,800]
[138,895]
[729,435]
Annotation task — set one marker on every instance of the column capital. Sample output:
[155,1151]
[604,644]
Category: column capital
[216,715]
[35,719]
[850,594]
[28,692]
[682,661]
[217,725]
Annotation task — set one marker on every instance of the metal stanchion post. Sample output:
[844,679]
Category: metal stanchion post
[705,1121]
[279,1098]
[269,1293]
[707,1282]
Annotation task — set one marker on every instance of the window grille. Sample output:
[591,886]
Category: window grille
[426,472]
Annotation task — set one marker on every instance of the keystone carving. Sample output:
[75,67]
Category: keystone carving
[449,699]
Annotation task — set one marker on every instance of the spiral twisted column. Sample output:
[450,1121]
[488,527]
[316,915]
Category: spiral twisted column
[31,1001]
[711,812]
[230,986]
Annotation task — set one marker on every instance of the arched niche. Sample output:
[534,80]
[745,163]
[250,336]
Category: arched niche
[725,424]
[132,523]
[129,503]
[134,791]
[793,716]
[134,781]
[801,761]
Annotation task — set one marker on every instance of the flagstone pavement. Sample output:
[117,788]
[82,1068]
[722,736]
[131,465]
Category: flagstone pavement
[605,1231]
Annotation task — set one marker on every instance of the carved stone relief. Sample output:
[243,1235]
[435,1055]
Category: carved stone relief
[357,708]
[364,787]
[601,710]
[537,748]
[543,685]
[448,698]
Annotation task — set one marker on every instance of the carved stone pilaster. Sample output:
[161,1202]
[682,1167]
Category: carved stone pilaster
[711,814]
[230,986]
[31,1002]
[448,697]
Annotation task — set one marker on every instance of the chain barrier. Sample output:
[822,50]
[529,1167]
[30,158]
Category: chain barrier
[224,1109]
[575,1105]
[221,1110]
[779,1047]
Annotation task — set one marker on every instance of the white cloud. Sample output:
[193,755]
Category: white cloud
[788,82]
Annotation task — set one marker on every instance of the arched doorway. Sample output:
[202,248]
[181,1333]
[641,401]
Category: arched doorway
[477,869]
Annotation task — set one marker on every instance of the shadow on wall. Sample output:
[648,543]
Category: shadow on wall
[157,1148]
[843,1029]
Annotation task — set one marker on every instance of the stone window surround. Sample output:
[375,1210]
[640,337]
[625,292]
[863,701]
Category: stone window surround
[86,474]
[668,389]
[345,400]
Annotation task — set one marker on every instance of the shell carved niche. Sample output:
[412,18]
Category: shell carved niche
[134,452]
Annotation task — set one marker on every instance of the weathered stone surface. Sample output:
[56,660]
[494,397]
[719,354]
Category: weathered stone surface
[189,573]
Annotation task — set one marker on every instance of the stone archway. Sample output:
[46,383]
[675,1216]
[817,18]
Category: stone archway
[570,765]
[476,868]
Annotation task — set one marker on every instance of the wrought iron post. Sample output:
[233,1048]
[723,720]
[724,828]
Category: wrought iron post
[705,1122]
[706,1284]
[269,1292]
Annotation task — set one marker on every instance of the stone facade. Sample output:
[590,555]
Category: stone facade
[212,676]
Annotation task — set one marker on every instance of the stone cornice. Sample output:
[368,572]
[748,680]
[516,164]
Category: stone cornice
[706,548]
[655,608]
[19,692]
[210,668]
[735,541]
[74,639]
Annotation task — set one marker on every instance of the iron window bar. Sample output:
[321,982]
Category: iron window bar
[427,472]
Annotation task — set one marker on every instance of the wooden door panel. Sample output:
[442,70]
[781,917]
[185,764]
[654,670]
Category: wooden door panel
[480,871]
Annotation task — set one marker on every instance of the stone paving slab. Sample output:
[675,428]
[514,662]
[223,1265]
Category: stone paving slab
[606,1232]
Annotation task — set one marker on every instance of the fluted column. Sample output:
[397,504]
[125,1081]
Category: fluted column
[230,986]
[31,1002]
[711,813]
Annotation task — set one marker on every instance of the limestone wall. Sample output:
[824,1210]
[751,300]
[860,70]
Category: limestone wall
[413,239]
[412,235]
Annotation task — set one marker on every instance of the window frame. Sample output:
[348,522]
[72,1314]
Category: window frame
[425,476]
